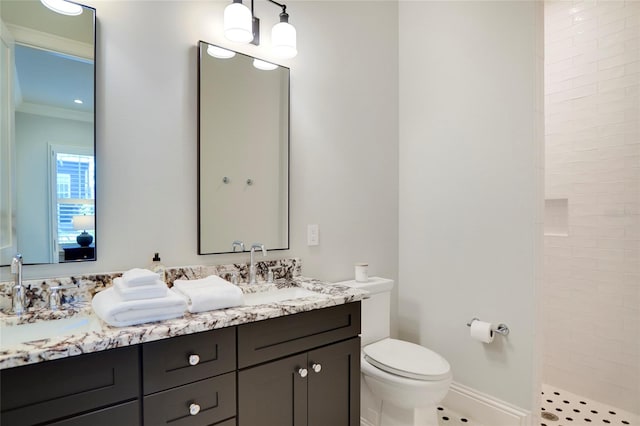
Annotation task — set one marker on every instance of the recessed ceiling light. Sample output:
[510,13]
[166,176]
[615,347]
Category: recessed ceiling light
[63,7]
[78,101]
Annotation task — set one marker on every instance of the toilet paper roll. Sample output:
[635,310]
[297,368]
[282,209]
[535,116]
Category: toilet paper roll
[482,331]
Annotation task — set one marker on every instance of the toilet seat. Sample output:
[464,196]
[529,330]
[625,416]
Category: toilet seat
[407,359]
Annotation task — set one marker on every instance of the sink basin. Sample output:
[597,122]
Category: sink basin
[15,334]
[279,295]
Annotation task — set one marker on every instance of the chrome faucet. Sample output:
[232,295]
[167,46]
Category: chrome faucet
[252,266]
[237,243]
[18,289]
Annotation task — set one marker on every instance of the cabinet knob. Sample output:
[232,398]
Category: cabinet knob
[302,372]
[316,367]
[194,359]
[194,409]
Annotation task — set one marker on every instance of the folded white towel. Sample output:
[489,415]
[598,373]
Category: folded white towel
[110,307]
[137,276]
[209,293]
[147,291]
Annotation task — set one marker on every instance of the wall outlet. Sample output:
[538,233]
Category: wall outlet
[313,235]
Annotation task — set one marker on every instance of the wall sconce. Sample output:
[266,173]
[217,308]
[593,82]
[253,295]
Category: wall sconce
[82,223]
[241,26]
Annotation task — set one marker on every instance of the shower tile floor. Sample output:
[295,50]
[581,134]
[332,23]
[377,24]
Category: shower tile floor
[563,408]
[447,417]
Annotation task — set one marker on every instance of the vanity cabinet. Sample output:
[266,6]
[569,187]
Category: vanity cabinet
[190,380]
[83,390]
[301,370]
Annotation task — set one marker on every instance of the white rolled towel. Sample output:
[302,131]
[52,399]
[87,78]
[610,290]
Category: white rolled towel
[148,291]
[115,311]
[208,294]
[138,276]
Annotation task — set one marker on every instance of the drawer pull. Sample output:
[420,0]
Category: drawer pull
[316,367]
[302,372]
[194,409]
[194,359]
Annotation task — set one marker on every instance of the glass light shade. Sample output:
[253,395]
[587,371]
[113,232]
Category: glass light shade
[63,7]
[264,65]
[219,52]
[238,23]
[283,40]
[84,222]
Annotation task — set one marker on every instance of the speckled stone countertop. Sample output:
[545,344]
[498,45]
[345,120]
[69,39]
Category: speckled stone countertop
[103,336]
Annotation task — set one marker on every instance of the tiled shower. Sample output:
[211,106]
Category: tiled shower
[591,292]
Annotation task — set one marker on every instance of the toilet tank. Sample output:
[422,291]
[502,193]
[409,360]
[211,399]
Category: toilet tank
[376,309]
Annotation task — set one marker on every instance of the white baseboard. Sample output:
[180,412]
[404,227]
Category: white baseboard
[485,409]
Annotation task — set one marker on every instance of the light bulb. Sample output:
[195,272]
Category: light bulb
[264,65]
[283,38]
[63,7]
[238,23]
[219,52]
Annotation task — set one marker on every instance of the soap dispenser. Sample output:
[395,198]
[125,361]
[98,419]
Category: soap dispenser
[158,267]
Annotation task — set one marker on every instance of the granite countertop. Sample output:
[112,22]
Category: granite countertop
[101,336]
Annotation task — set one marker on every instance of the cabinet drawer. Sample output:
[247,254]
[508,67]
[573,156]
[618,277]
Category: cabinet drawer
[230,422]
[216,398]
[54,389]
[123,414]
[278,337]
[166,362]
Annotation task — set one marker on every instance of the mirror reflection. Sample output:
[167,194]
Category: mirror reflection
[47,135]
[243,151]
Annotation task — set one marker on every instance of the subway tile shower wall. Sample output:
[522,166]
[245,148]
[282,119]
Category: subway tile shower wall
[591,295]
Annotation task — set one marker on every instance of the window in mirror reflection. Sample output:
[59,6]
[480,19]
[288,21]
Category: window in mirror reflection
[73,174]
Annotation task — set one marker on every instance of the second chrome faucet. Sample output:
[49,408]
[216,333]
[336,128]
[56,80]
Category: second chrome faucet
[252,265]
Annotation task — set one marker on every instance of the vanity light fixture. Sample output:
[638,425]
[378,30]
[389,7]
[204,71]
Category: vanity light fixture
[219,52]
[264,65]
[242,26]
[63,7]
[78,101]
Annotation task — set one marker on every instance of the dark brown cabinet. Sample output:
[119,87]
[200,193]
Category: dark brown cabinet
[190,380]
[297,370]
[334,391]
[76,388]
[319,386]
[273,393]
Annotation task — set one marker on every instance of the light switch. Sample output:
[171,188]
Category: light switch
[313,235]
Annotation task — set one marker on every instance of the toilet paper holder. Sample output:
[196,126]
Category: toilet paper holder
[500,329]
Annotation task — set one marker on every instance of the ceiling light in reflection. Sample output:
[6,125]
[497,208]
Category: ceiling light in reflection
[63,7]
[264,65]
[219,52]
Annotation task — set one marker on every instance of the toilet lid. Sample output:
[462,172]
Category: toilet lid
[407,360]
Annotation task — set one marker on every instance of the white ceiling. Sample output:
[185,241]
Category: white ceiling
[53,79]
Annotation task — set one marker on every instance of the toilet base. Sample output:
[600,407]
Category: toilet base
[392,415]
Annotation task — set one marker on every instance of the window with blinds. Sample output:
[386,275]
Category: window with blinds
[75,189]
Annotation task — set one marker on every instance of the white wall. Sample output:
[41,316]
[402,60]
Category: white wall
[470,181]
[344,151]
[592,274]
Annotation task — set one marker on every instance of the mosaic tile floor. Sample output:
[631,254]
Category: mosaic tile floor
[563,408]
[446,417]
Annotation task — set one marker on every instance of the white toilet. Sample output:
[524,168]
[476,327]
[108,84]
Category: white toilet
[402,382]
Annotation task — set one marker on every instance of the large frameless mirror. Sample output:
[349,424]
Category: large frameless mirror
[243,151]
[47,131]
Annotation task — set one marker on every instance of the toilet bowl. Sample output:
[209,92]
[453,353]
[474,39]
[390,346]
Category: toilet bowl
[402,382]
